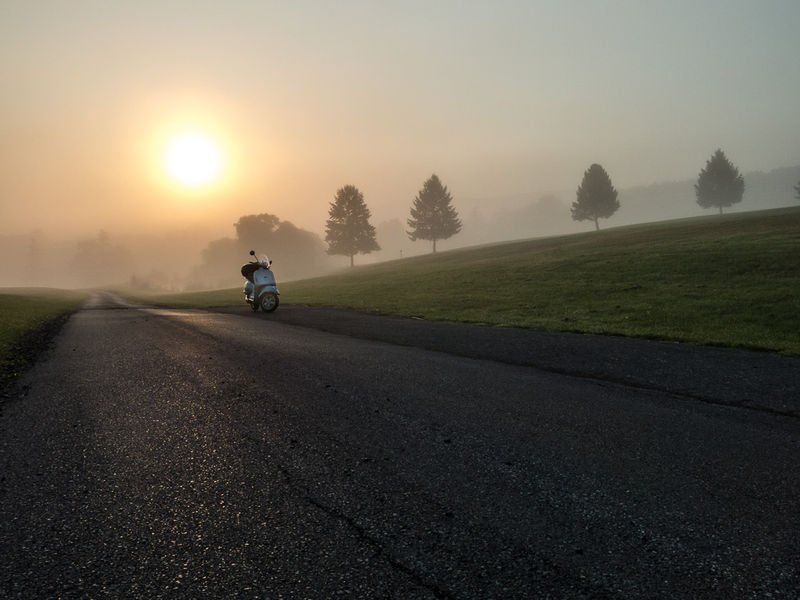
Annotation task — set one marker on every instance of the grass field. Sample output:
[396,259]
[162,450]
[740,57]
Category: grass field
[730,280]
[23,313]
[25,309]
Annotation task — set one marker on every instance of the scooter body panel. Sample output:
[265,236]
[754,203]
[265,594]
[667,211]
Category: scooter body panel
[263,281]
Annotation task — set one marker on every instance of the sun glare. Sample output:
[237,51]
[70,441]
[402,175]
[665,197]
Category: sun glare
[193,159]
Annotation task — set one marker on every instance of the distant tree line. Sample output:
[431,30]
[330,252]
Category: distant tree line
[432,217]
[349,232]
[98,261]
[719,185]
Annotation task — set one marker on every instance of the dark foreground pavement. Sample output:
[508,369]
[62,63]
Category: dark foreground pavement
[158,453]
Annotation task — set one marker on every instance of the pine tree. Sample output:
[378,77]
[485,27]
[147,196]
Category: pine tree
[432,214]
[719,185]
[348,231]
[596,197]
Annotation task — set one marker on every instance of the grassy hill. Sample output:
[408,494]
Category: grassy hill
[731,280]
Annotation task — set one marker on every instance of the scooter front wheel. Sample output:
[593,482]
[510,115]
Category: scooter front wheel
[269,301]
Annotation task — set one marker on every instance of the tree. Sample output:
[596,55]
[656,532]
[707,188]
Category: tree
[719,184]
[348,231]
[255,232]
[297,253]
[797,189]
[596,197]
[432,216]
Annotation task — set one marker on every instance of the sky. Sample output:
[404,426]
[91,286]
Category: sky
[501,99]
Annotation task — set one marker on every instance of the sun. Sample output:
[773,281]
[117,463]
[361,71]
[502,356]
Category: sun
[192,159]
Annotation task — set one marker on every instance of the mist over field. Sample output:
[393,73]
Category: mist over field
[136,134]
[177,260]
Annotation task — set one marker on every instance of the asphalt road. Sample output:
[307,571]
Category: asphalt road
[315,453]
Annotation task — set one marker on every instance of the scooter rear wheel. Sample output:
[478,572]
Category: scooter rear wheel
[269,301]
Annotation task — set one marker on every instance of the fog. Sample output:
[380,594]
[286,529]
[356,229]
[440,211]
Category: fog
[509,103]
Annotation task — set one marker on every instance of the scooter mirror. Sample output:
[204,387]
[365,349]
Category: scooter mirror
[252,252]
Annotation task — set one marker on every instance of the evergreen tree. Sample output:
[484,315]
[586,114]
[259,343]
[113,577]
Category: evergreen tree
[719,185]
[596,197]
[432,216]
[348,231]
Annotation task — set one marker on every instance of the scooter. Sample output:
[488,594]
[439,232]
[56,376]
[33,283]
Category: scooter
[260,289]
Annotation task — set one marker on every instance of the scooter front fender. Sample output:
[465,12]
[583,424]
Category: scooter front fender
[267,287]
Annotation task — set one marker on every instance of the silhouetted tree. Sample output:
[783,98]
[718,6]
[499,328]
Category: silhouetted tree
[719,185]
[296,252]
[797,189]
[302,252]
[256,231]
[596,197]
[432,216]
[348,231]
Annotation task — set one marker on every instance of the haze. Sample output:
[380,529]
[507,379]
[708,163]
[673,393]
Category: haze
[508,102]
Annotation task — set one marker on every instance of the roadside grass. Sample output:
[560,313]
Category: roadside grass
[730,280]
[23,313]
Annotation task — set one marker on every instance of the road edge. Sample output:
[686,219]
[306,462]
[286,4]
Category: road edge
[27,350]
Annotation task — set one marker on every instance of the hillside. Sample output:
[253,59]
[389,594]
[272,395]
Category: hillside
[729,280]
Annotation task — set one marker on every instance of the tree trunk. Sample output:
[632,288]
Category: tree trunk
[351,261]
[434,245]
[720,210]
[596,224]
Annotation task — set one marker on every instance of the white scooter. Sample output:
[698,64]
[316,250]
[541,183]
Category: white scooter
[260,289]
